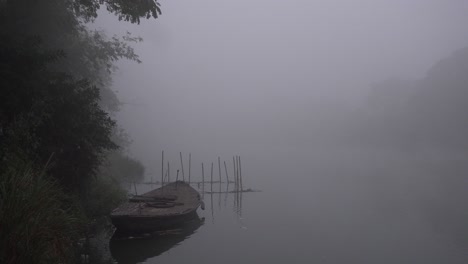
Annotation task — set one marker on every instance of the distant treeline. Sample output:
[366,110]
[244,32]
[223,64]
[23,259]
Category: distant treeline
[62,155]
[430,113]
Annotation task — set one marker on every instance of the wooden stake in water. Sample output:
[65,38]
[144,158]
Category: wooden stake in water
[240,175]
[203,180]
[189,164]
[238,184]
[211,176]
[162,169]
[182,165]
[234,168]
[177,179]
[237,173]
[219,167]
[225,168]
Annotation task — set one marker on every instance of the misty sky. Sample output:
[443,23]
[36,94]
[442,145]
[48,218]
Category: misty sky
[223,76]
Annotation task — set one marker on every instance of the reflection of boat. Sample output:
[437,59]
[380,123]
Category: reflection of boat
[163,208]
[137,250]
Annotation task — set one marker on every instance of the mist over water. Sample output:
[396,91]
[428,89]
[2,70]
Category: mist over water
[336,209]
[348,116]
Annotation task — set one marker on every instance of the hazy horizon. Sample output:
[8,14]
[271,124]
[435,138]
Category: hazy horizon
[232,77]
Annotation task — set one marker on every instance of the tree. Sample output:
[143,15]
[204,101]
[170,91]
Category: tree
[131,11]
[54,71]
[46,113]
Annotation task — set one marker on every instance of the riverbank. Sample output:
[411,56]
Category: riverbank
[42,223]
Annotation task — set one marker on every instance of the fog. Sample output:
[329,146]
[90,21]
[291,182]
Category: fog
[346,101]
[237,77]
[350,118]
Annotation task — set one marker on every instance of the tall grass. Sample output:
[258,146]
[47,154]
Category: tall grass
[37,221]
[103,194]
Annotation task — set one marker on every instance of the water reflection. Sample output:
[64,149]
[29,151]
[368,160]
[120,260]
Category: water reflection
[135,250]
[217,197]
[147,248]
[335,214]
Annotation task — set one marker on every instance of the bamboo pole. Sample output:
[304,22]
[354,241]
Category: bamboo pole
[219,167]
[234,168]
[182,165]
[177,179]
[203,180]
[189,165]
[240,176]
[237,173]
[168,172]
[211,176]
[162,169]
[225,168]
[238,184]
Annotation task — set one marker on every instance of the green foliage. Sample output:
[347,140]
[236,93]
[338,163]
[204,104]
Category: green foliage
[123,168]
[125,10]
[53,71]
[55,99]
[102,196]
[47,112]
[38,222]
[90,54]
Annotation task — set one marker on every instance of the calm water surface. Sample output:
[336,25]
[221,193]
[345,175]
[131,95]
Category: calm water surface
[323,210]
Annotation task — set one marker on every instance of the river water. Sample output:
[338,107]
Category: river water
[324,208]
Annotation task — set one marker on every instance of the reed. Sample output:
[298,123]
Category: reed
[38,221]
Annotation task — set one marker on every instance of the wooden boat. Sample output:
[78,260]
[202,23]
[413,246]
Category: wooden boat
[163,208]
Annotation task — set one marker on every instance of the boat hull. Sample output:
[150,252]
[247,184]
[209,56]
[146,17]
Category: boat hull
[164,208]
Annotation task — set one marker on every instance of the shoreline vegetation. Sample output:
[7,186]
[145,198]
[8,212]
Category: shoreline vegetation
[40,223]
[62,155]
